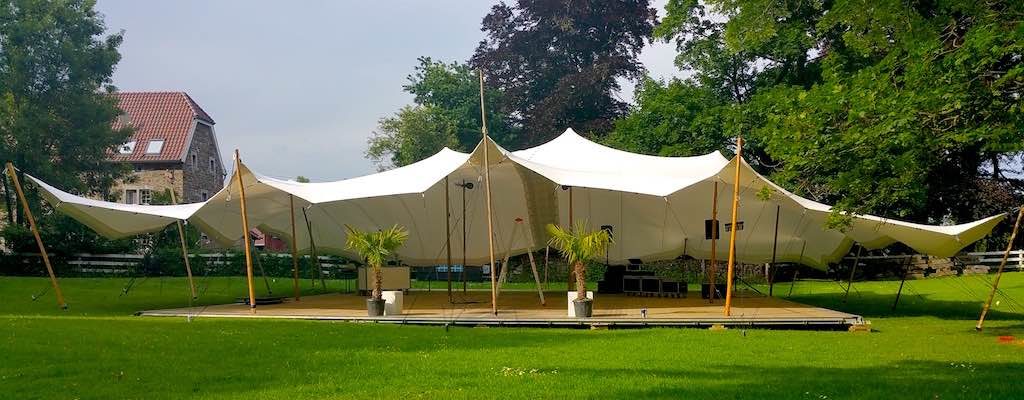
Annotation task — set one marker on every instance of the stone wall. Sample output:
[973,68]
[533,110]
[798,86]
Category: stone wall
[203,170]
[155,177]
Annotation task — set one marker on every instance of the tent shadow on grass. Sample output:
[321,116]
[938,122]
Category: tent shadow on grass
[911,379]
[873,304]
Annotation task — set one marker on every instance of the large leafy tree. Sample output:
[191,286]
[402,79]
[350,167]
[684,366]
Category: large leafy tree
[445,113]
[55,115]
[908,110]
[557,62]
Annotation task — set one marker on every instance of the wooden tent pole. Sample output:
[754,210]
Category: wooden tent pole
[903,279]
[571,280]
[295,249]
[536,278]
[464,187]
[732,232]
[775,246]
[713,267]
[35,233]
[487,188]
[999,274]
[853,269]
[184,251]
[245,233]
[448,237]
[796,273]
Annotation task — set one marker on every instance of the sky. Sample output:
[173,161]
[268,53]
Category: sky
[298,89]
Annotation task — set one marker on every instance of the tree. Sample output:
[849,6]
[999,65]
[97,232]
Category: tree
[678,118]
[55,117]
[55,113]
[446,112]
[557,62]
[301,179]
[904,110]
[375,248]
[577,246]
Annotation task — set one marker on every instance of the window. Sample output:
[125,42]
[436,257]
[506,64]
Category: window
[127,148]
[195,161]
[155,146]
[204,195]
[145,196]
[213,165]
[131,196]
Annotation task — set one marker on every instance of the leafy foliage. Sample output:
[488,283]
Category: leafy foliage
[375,248]
[909,110]
[446,113]
[557,62]
[578,246]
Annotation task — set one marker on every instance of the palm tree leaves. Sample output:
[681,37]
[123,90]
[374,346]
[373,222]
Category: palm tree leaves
[576,244]
[375,246]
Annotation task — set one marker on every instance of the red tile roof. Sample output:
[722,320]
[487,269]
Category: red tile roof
[167,116]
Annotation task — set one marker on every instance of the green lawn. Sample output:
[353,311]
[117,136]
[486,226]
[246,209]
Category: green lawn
[926,349]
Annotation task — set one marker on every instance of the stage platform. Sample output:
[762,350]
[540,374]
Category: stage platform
[522,308]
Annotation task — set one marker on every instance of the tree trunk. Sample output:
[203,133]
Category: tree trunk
[581,282]
[378,281]
[7,202]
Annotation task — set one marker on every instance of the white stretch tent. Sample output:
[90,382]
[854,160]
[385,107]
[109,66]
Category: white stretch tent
[657,207]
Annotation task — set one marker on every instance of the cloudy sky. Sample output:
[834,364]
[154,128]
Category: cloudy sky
[298,89]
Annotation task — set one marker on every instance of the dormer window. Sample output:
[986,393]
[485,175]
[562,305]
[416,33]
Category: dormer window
[155,146]
[127,148]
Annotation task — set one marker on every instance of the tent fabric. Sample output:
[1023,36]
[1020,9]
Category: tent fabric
[657,208]
[114,220]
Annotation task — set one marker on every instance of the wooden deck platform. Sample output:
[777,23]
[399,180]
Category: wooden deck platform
[522,308]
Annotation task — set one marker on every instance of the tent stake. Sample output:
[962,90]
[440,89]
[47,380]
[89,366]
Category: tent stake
[853,269]
[295,249]
[712,276]
[448,238]
[245,233]
[35,233]
[775,245]
[732,232]
[184,251]
[487,188]
[999,274]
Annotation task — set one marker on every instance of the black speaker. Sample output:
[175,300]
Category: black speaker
[711,229]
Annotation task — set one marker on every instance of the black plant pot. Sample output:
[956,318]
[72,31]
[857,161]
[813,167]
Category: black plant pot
[374,308]
[584,308]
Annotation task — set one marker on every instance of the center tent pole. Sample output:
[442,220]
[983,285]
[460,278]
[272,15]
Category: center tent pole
[775,246]
[487,189]
[295,248]
[465,185]
[245,233]
[184,251]
[448,238]
[35,233]
[732,232]
[571,280]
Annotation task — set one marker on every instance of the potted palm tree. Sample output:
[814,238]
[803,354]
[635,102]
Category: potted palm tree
[577,246]
[375,248]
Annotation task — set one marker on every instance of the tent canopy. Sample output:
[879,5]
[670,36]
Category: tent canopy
[657,208]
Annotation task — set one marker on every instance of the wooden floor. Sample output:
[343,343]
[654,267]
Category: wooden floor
[522,308]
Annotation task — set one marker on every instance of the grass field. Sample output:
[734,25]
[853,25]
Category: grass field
[926,349]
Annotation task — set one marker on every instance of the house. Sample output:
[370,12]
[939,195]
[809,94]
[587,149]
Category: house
[174,146]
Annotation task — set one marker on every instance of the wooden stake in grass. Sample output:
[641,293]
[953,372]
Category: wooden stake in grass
[999,273]
[487,189]
[732,232]
[35,233]
[184,250]
[245,232]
